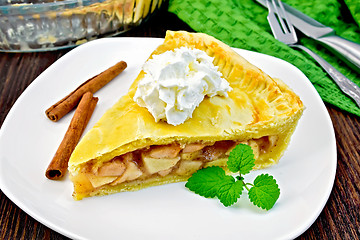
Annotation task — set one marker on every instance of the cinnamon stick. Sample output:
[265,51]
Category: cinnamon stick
[58,166]
[65,105]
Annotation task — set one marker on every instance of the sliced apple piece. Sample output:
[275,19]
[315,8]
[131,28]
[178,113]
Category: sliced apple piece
[190,155]
[132,172]
[112,168]
[154,165]
[218,162]
[99,181]
[192,147]
[164,151]
[188,167]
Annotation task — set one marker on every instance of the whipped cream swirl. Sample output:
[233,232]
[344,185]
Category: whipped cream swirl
[176,82]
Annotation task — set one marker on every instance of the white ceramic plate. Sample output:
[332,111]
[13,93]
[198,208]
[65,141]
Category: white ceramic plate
[28,141]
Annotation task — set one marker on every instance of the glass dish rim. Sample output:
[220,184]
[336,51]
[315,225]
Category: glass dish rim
[13,9]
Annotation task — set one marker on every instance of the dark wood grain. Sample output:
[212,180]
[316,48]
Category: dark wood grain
[340,218]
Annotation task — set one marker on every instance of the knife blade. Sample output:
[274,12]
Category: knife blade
[347,50]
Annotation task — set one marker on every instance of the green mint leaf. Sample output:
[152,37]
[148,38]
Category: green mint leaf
[241,159]
[230,191]
[213,182]
[207,181]
[265,191]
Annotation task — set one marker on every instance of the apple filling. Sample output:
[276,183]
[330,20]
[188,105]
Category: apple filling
[163,160]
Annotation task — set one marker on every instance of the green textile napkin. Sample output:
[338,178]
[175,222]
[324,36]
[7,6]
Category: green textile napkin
[243,24]
[354,7]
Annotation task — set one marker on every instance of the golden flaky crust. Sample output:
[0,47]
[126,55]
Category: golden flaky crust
[257,106]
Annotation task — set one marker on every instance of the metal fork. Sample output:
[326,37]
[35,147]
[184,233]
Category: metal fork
[284,31]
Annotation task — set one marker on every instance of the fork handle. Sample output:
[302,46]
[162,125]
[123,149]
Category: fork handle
[345,84]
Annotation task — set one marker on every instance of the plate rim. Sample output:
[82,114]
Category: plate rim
[8,193]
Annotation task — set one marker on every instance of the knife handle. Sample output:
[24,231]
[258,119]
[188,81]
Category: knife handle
[348,50]
[345,84]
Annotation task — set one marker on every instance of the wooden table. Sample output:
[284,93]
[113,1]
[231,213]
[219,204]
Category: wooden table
[340,218]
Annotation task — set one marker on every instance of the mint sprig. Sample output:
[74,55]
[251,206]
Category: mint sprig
[214,182]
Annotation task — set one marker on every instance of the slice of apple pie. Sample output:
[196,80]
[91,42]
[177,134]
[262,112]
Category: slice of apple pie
[134,146]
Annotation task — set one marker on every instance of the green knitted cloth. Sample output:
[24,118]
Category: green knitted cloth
[243,24]
[354,7]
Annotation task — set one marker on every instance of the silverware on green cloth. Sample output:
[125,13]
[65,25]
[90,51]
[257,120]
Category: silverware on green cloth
[348,51]
[284,31]
[243,24]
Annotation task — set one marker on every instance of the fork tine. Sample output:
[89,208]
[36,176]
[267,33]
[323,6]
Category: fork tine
[284,16]
[280,25]
[280,16]
[273,20]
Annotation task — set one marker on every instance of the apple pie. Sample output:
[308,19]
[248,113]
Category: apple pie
[128,150]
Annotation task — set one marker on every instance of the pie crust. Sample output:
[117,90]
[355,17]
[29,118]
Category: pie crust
[127,150]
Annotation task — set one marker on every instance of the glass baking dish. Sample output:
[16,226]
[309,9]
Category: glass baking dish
[43,25]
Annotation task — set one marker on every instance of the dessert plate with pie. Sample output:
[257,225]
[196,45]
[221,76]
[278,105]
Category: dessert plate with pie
[293,143]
